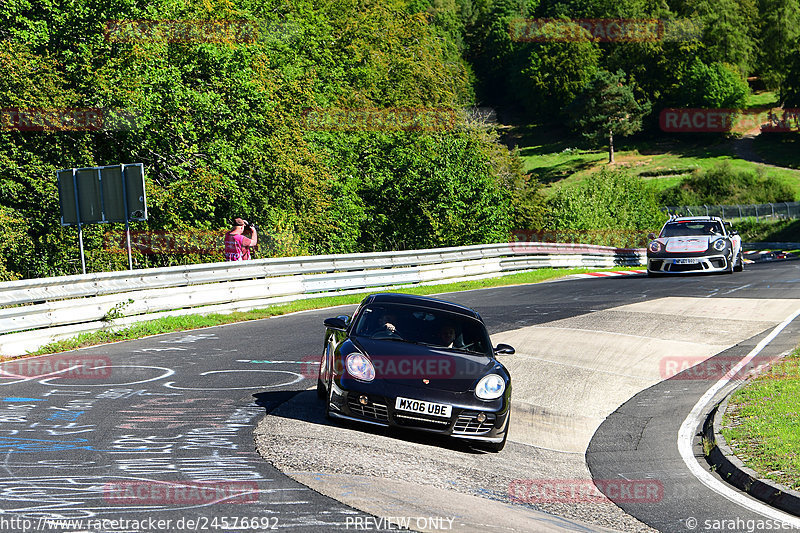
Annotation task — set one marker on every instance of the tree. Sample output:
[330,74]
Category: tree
[556,73]
[790,90]
[607,105]
[715,85]
[730,29]
[780,30]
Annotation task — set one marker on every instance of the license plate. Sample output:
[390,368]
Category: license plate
[688,261]
[423,408]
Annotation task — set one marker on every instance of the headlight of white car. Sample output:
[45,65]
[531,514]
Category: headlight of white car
[490,387]
[360,367]
[655,247]
[719,245]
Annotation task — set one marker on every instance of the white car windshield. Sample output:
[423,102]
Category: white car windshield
[422,325]
[692,228]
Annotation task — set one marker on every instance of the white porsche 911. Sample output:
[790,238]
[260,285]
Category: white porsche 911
[694,244]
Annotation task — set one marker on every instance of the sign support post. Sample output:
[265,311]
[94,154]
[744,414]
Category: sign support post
[78,213]
[127,217]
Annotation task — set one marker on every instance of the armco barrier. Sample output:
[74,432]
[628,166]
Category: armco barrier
[36,312]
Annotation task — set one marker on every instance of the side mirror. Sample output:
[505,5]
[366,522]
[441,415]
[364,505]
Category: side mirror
[504,349]
[651,236]
[336,323]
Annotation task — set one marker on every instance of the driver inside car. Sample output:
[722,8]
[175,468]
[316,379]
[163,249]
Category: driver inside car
[446,336]
[385,327]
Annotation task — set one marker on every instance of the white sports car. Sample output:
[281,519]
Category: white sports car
[694,244]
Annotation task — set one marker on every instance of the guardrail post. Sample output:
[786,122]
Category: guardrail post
[756,206]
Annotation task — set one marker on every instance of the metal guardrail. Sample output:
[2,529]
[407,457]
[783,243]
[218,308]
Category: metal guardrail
[788,210]
[36,312]
[771,246]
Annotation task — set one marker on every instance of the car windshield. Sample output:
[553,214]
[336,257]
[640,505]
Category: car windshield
[692,228]
[422,325]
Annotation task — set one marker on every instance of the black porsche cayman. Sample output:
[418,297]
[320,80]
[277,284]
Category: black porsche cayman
[419,363]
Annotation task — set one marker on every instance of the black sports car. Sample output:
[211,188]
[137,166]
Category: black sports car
[418,363]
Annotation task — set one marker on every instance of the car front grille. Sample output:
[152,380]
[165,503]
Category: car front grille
[674,267]
[373,410]
[421,421]
[468,424]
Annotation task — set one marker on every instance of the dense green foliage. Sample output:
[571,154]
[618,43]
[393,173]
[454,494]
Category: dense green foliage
[608,199]
[716,86]
[220,128]
[724,185]
[221,120]
[707,49]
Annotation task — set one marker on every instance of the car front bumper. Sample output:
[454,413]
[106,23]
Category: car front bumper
[680,265]
[463,423]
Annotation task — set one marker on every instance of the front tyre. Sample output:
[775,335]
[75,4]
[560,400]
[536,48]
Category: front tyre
[729,265]
[321,392]
[739,266]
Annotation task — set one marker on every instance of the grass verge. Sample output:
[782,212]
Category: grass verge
[780,230]
[187,322]
[762,422]
[555,159]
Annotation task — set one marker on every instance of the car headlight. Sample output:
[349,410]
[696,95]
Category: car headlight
[719,244]
[360,367]
[490,387]
[655,247]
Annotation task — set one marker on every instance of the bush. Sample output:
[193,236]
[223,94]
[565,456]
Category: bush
[409,191]
[724,185]
[715,85]
[606,200]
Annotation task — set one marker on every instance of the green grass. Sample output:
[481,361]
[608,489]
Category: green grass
[762,99]
[187,322]
[762,423]
[768,231]
[553,156]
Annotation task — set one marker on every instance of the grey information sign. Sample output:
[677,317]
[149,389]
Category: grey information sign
[100,195]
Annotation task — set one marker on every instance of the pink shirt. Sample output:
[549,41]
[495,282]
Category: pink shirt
[236,247]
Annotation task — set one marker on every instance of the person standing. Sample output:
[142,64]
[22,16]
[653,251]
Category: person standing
[237,246]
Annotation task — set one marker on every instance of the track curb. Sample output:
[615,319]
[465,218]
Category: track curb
[732,470]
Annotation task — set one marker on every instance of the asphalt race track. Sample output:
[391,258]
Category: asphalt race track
[164,433]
